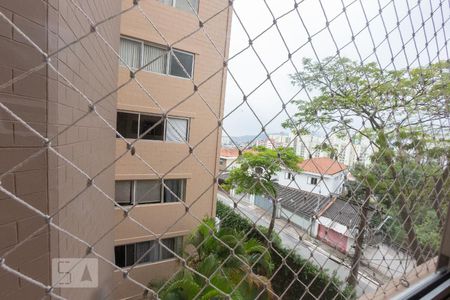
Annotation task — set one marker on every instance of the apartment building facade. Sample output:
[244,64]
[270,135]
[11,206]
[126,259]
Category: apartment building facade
[173,105]
[40,162]
[346,151]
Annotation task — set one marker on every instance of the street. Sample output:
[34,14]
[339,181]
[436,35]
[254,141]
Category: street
[306,249]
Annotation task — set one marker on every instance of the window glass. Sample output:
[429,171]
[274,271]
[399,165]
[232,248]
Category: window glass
[184,5]
[176,130]
[179,244]
[155,59]
[119,253]
[186,61]
[130,52]
[129,255]
[141,255]
[147,191]
[168,2]
[152,126]
[173,190]
[127,124]
[123,192]
[154,252]
[169,243]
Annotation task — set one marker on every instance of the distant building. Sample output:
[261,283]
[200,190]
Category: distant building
[337,224]
[322,175]
[273,141]
[347,152]
[227,157]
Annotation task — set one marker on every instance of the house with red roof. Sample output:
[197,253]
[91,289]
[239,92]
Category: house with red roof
[320,175]
[227,157]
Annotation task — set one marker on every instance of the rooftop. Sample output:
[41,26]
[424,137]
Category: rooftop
[322,166]
[299,201]
[343,213]
[229,152]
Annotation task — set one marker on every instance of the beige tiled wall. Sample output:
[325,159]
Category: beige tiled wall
[172,159]
[49,104]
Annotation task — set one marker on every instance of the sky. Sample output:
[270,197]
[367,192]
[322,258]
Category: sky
[253,19]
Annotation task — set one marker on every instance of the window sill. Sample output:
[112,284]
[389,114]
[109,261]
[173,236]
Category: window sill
[151,204]
[153,110]
[143,71]
[143,265]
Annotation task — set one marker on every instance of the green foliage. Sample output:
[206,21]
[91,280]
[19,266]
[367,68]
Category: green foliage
[417,181]
[398,110]
[220,270]
[329,149]
[257,167]
[369,93]
[428,230]
[321,284]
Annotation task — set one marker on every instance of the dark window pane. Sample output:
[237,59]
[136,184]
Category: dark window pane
[169,243]
[123,192]
[186,61]
[148,191]
[127,125]
[141,255]
[179,245]
[152,126]
[119,252]
[130,255]
[174,190]
[155,252]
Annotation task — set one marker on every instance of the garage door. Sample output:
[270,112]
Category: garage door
[333,238]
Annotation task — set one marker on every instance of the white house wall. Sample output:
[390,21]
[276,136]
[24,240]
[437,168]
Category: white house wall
[331,184]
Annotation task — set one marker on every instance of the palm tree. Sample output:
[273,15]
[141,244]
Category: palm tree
[225,262]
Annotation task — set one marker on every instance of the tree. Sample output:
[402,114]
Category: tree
[360,193]
[242,271]
[255,174]
[331,151]
[394,109]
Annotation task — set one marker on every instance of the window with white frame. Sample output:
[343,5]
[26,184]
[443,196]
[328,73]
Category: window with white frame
[152,127]
[130,192]
[313,180]
[138,54]
[186,5]
[289,176]
[147,251]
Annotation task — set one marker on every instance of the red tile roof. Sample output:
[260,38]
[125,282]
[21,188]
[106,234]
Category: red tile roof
[229,152]
[322,166]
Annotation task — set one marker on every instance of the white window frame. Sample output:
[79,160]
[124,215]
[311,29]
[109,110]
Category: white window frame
[164,123]
[310,181]
[188,127]
[174,5]
[168,58]
[161,194]
[176,239]
[183,189]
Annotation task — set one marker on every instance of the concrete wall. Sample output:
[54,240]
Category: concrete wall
[45,101]
[173,159]
[301,221]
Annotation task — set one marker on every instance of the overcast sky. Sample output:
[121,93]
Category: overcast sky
[249,73]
